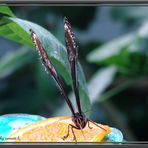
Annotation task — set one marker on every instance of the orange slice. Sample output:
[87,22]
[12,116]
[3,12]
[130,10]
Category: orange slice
[54,130]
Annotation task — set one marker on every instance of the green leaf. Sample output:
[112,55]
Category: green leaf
[124,14]
[44,83]
[85,104]
[14,60]
[18,30]
[143,30]
[111,49]
[101,80]
[13,32]
[116,90]
[117,51]
[55,50]
[6,10]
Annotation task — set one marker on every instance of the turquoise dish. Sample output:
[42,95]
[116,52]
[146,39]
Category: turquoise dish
[12,122]
[114,136]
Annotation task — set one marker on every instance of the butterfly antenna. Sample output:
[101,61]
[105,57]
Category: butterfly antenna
[72,58]
[49,68]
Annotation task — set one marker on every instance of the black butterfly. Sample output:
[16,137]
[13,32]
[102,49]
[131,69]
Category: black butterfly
[79,119]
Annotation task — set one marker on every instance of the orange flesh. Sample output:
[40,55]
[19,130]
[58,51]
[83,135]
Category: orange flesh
[54,130]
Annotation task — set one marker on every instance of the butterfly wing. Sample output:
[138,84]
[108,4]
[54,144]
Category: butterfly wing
[72,57]
[49,68]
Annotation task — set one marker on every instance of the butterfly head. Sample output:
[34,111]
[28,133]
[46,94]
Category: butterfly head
[80,120]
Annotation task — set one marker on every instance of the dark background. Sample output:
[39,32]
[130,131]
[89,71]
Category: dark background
[27,89]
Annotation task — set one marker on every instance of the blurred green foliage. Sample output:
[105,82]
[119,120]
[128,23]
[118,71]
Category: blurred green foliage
[116,68]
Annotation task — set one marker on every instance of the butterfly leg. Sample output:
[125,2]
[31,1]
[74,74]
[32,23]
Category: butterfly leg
[89,124]
[67,133]
[74,137]
[97,124]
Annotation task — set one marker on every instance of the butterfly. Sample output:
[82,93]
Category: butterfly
[76,128]
[80,121]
